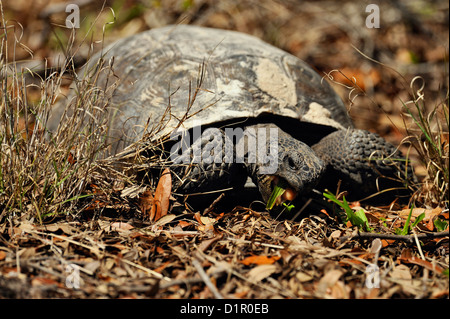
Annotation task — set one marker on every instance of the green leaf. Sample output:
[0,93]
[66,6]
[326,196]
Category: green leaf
[440,224]
[405,229]
[289,207]
[358,219]
[362,216]
[277,192]
[418,220]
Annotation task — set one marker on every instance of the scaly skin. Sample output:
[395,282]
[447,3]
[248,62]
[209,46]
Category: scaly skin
[296,165]
[162,78]
[362,160]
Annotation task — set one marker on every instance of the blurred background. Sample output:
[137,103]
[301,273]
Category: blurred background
[332,36]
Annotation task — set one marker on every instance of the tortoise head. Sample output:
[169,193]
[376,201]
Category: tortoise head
[297,169]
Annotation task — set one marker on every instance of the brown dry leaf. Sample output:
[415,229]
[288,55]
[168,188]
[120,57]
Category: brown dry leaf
[71,159]
[92,265]
[208,242]
[340,291]
[120,226]
[27,252]
[2,255]
[209,228]
[426,264]
[198,218]
[323,211]
[429,213]
[401,272]
[303,277]
[241,294]
[159,203]
[351,76]
[261,272]
[146,203]
[24,226]
[432,216]
[259,260]
[207,220]
[165,219]
[348,261]
[429,225]
[183,223]
[329,280]
[387,242]
[286,255]
[355,205]
[206,223]
[66,228]
[162,267]
[162,194]
[372,218]
[38,281]
[335,234]
[406,257]
[357,261]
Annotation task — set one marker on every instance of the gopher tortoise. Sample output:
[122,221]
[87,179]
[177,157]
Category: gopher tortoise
[236,107]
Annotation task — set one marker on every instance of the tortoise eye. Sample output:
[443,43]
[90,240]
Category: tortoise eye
[291,163]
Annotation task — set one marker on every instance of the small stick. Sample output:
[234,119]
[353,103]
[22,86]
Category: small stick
[243,241]
[409,238]
[206,279]
[419,248]
[152,272]
[188,281]
[214,203]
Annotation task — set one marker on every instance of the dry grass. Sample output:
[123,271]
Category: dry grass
[428,130]
[48,173]
[45,173]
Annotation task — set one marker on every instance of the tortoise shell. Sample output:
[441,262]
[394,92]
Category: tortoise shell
[167,75]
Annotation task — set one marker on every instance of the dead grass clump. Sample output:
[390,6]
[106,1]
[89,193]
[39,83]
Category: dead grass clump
[429,134]
[46,173]
[427,128]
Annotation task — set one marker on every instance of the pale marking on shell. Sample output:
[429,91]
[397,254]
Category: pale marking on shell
[274,81]
[317,113]
[232,88]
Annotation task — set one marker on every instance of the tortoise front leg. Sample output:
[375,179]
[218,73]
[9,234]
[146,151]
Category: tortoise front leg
[364,162]
[207,165]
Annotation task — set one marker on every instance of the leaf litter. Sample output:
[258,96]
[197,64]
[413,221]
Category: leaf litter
[243,254]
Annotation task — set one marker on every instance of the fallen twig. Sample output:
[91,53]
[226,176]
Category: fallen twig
[257,243]
[206,279]
[214,203]
[151,272]
[189,281]
[408,238]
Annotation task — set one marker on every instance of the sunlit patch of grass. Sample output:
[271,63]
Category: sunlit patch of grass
[429,134]
[427,128]
[44,173]
[357,218]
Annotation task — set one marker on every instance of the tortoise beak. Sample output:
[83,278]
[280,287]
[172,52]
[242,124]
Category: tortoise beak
[280,192]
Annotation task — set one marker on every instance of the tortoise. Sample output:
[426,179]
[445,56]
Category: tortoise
[217,81]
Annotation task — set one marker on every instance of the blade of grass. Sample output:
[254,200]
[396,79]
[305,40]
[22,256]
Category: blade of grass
[276,193]
[358,218]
